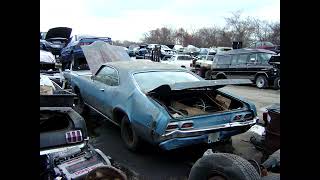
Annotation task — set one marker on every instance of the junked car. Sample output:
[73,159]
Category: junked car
[56,39]
[73,49]
[180,60]
[64,149]
[166,106]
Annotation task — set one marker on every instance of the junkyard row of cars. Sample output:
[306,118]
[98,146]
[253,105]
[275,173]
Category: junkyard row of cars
[158,103]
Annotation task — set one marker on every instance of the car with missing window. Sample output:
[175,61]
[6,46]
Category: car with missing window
[246,63]
[167,106]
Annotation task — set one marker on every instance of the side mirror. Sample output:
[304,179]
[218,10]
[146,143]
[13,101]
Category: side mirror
[92,77]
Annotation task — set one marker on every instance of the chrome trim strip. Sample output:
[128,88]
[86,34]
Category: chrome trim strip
[49,151]
[103,156]
[102,114]
[222,126]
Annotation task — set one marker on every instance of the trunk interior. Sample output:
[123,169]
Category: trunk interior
[189,103]
[53,121]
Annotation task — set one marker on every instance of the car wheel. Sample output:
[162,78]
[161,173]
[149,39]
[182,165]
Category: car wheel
[261,82]
[271,177]
[208,75]
[128,134]
[276,83]
[79,105]
[223,166]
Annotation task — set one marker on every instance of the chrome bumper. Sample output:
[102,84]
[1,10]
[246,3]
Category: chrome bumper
[198,132]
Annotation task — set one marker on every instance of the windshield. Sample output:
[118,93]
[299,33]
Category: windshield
[148,81]
[184,58]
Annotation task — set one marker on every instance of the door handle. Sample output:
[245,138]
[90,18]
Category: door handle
[102,90]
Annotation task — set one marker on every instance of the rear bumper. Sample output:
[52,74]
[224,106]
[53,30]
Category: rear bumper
[181,138]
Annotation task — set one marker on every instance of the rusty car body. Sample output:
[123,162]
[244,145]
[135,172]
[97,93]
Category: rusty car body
[164,105]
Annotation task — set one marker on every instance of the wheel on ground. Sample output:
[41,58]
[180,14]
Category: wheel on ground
[261,82]
[271,177]
[223,166]
[79,105]
[208,75]
[128,134]
[276,83]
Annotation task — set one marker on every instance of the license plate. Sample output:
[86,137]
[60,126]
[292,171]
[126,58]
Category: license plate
[213,137]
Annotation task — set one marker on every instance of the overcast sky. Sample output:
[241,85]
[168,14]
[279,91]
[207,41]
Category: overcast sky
[130,19]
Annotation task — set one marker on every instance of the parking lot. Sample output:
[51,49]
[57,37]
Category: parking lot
[152,163]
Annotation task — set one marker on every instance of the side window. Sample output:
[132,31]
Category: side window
[234,59]
[263,58]
[108,76]
[224,60]
[252,59]
[242,59]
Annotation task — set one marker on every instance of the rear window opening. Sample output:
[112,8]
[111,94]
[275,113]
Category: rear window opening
[197,102]
[53,121]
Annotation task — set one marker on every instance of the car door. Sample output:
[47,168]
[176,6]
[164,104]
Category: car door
[252,66]
[104,90]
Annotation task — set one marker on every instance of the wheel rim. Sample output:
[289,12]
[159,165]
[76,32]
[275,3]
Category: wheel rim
[260,82]
[128,134]
[216,177]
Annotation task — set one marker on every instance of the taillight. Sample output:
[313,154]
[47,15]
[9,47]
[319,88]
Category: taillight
[74,136]
[187,125]
[84,43]
[172,126]
[237,117]
[248,116]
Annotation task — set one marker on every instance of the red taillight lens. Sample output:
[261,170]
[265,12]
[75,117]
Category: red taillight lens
[237,117]
[187,125]
[172,126]
[74,136]
[84,43]
[248,116]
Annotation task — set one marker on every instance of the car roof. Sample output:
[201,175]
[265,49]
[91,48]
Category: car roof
[142,65]
[246,50]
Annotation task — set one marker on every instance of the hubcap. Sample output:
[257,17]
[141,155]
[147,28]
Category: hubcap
[260,82]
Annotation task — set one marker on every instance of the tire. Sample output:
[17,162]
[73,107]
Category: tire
[128,135]
[208,75]
[271,177]
[276,83]
[223,166]
[261,82]
[80,107]
[221,76]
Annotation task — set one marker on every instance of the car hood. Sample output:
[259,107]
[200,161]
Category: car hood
[99,53]
[61,32]
[212,84]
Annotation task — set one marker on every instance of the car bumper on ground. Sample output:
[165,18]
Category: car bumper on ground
[182,138]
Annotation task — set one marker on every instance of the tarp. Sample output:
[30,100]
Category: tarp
[47,57]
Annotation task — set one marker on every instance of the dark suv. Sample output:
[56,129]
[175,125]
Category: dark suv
[250,64]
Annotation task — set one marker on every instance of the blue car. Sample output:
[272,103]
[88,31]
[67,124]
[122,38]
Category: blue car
[161,104]
[74,51]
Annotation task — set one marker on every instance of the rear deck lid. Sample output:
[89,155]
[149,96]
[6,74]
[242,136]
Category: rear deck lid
[100,52]
[203,84]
